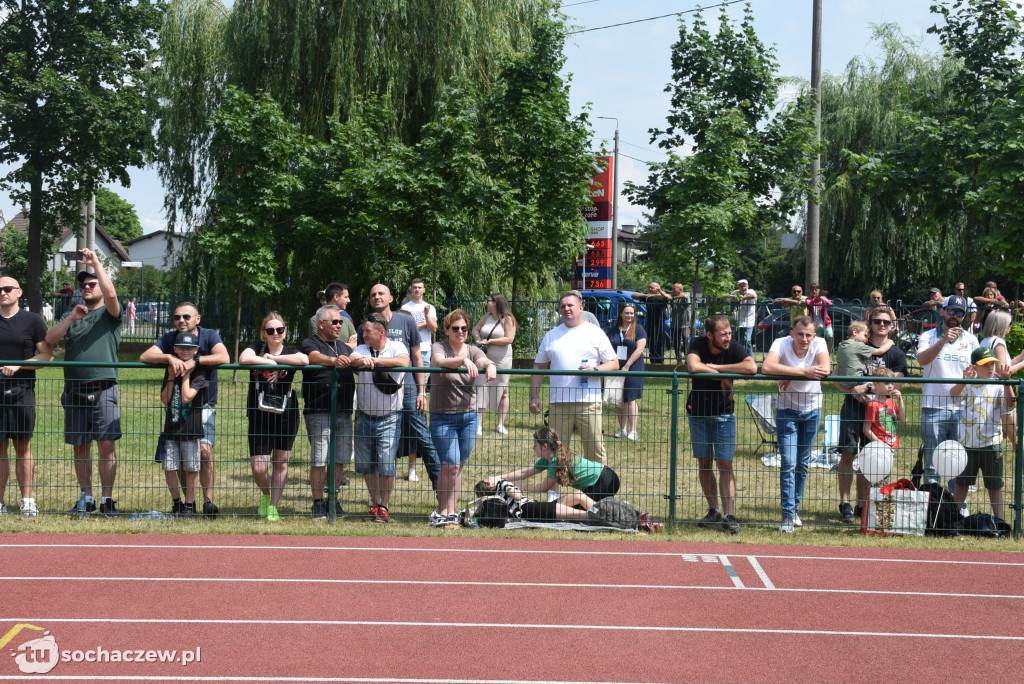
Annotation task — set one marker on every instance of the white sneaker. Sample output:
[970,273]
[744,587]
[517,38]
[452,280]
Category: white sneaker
[501,430]
[620,433]
[435,519]
[413,477]
[552,496]
[797,522]
[632,436]
[3,508]
[786,527]
[29,509]
[479,429]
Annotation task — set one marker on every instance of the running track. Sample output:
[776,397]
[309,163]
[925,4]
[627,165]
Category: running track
[346,609]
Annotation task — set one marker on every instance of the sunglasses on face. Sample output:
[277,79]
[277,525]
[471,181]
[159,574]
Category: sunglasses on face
[7,289]
[335,321]
[274,331]
[90,285]
[797,291]
[459,328]
[881,321]
[183,317]
[955,313]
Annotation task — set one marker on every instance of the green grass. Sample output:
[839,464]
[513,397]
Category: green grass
[643,466]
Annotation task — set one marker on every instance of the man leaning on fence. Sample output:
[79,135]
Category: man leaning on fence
[212,352]
[92,413]
[711,409]
[22,336]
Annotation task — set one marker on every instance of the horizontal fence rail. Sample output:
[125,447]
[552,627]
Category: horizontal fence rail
[656,465]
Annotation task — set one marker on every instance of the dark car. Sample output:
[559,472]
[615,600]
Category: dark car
[606,304]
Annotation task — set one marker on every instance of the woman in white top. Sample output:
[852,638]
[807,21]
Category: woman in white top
[494,334]
[994,331]
[803,357]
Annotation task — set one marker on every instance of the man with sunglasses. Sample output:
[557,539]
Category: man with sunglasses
[797,303]
[91,400]
[22,336]
[944,352]
[971,321]
[336,294]
[880,319]
[212,352]
[326,348]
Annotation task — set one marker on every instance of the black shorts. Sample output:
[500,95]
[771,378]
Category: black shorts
[270,431]
[606,485]
[18,418]
[539,511]
[989,460]
[851,424]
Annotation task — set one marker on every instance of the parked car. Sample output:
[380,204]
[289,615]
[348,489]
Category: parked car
[605,305]
[154,313]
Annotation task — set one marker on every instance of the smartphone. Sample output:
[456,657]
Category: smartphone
[73,256]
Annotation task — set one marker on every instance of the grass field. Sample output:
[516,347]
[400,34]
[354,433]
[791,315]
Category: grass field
[645,468]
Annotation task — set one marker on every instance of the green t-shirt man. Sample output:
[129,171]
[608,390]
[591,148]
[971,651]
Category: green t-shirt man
[95,337]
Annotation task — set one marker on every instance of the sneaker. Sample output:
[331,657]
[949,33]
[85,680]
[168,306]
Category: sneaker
[479,429]
[339,512]
[373,512]
[188,510]
[90,507]
[272,514]
[264,505]
[731,525]
[786,527]
[382,515]
[319,510]
[210,509]
[176,508]
[4,511]
[619,434]
[857,511]
[712,519]
[413,477]
[108,508]
[29,509]
[452,520]
[797,522]
[436,519]
[501,430]
[633,436]
[846,511]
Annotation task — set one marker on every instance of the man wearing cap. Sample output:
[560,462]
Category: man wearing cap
[934,305]
[212,352]
[92,333]
[379,418]
[325,349]
[943,352]
[336,294]
[745,313]
[22,336]
[972,321]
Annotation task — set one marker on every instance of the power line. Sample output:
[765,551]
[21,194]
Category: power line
[639,147]
[725,3]
[585,2]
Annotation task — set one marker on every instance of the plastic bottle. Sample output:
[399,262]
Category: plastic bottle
[81,506]
[151,515]
[584,384]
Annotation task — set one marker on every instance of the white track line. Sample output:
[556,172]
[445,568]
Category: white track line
[731,571]
[553,552]
[514,626]
[760,572]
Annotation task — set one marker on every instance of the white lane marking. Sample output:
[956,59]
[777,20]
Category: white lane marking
[760,572]
[515,626]
[731,571]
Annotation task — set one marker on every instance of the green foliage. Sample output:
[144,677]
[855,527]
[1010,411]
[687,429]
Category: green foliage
[147,283]
[72,105]
[14,253]
[117,216]
[747,170]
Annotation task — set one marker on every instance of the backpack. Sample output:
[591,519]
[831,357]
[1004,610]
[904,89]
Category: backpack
[944,517]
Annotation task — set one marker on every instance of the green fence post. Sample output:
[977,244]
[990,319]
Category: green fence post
[1018,465]
[331,485]
[673,445]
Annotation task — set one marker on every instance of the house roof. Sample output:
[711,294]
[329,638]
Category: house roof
[20,222]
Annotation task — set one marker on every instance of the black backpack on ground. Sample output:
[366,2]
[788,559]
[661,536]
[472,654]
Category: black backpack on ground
[944,517]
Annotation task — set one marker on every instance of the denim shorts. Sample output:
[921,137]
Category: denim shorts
[454,435]
[376,443]
[183,455]
[713,436]
[209,425]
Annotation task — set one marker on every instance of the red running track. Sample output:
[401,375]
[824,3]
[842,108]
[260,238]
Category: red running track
[326,609]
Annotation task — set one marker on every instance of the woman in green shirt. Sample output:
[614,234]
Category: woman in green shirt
[594,479]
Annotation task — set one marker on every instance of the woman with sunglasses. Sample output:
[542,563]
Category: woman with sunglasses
[494,334]
[272,410]
[453,416]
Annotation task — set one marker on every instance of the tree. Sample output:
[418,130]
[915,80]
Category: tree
[117,216]
[72,105]
[14,253]
[748,167]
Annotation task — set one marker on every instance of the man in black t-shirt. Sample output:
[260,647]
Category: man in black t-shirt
[711,408]
[326,349]
[22,336]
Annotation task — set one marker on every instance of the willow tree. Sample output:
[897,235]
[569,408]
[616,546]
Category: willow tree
[872,233]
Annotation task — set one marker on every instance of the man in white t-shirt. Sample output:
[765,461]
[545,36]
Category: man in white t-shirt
[379,414]
[802,357]
[574,400]
[425,316]
[943,352]
[745,313]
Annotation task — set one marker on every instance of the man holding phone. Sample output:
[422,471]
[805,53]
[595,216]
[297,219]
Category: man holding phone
[92,333]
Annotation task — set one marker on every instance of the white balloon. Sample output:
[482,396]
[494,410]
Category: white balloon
[876,461]
[949,459]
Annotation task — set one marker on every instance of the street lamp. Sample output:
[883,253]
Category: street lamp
[615,205]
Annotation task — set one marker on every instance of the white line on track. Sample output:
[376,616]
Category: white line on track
[554,585]
[517,551]
[760,572]
[515,626]
[731,571]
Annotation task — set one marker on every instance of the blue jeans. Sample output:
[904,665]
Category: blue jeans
[797,432]
[454,435]
[414,427]
[376,443]
[713,436]
[937,425]
[745,336]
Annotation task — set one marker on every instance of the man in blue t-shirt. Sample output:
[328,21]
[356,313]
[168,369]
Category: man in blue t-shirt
[212,352]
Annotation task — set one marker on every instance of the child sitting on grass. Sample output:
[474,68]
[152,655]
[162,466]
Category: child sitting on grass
[184,397]
[884,410]
[571,507]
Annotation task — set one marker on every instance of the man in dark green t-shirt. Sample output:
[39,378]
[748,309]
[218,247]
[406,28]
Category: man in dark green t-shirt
[92,332]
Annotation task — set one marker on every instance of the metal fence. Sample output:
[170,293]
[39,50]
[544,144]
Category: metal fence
[657,470]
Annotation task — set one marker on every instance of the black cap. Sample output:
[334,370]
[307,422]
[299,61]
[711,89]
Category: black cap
[186,339]
[82,275]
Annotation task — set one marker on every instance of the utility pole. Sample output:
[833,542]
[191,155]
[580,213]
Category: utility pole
[615,204]
[813,240]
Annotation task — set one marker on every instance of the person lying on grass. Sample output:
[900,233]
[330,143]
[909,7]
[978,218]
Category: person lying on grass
[571,507]
[593,479]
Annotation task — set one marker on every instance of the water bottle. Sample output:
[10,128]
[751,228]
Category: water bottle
[80,507]
[583,378]
[151,515]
